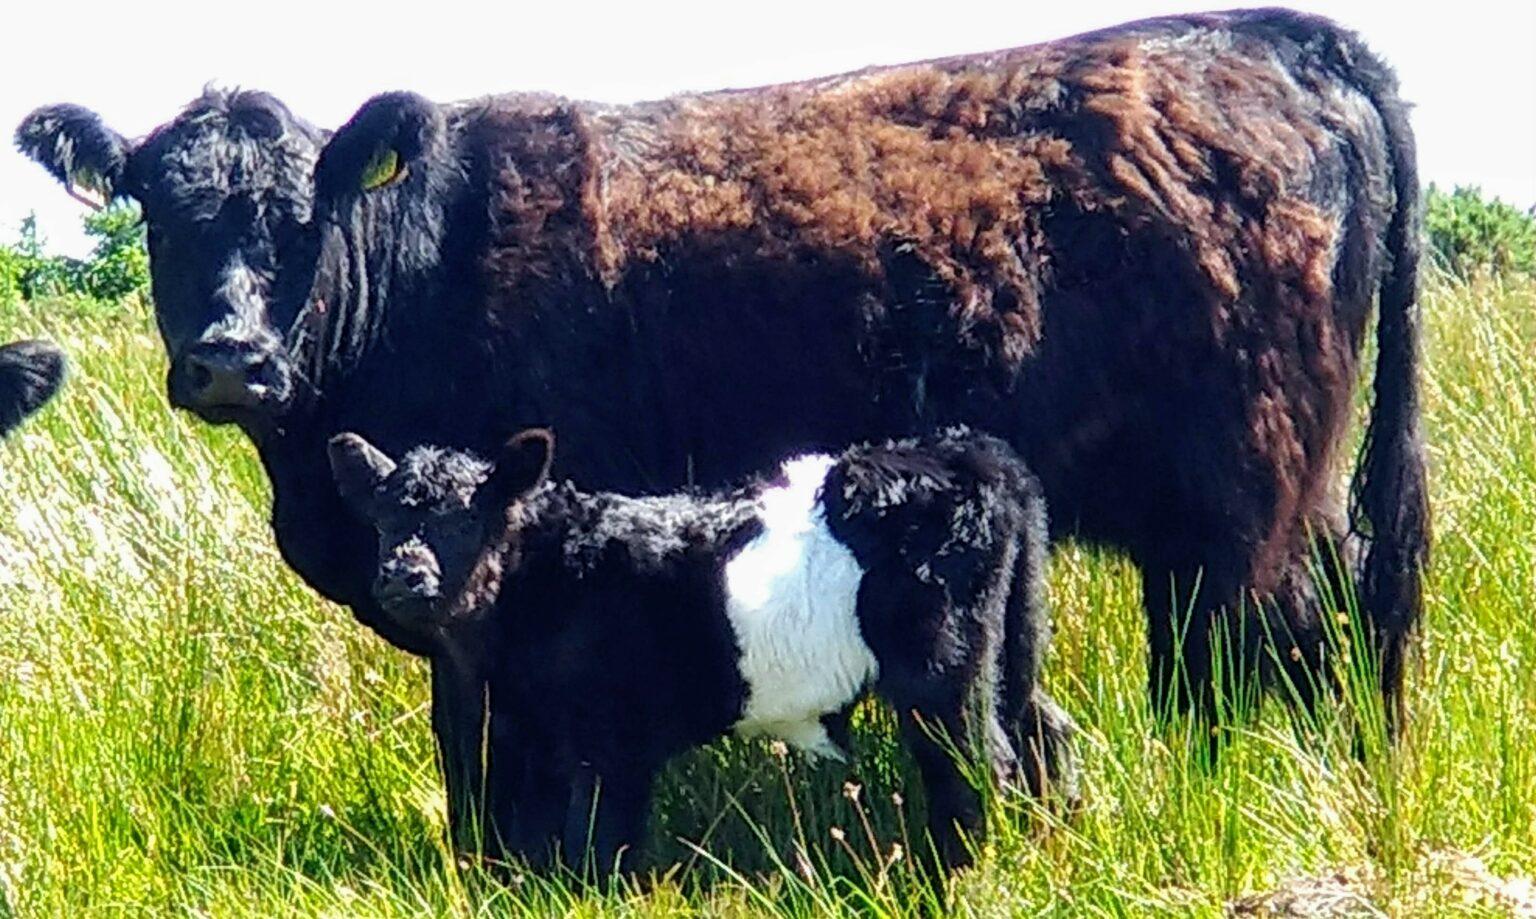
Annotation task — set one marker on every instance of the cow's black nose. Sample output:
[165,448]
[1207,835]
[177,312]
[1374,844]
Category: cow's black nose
[229,374]
[222,375]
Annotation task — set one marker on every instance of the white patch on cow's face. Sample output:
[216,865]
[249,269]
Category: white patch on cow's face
[241,292]
[791,597]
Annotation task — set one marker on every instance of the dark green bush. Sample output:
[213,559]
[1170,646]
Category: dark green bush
[119,263]
[25,271]
[1469,234]
[117,266]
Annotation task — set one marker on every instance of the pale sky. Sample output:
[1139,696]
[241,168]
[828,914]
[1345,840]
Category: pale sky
[1468,66]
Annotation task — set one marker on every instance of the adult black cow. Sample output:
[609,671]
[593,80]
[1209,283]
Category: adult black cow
[30,373]
[1146,256]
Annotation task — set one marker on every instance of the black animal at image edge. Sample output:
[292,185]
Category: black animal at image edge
[30,373]
[626,630]
[1145,257]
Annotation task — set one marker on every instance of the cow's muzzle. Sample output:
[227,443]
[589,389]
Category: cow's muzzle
[227,379]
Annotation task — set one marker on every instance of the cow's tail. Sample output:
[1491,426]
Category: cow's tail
[1390,506]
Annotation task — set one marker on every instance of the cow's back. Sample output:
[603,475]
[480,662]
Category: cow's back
[1052,242]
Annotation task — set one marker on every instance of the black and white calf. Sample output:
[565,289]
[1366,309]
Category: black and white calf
[627,630]
[30,373]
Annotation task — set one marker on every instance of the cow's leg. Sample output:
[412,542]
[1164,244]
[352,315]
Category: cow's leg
[1178,666]
[1218,639]
[1202,636]
[458,720]
[1310,618]
[951,722]
[537,820]
[606,816]
[1294,618]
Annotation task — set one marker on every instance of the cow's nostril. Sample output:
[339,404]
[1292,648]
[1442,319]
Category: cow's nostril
[200,376]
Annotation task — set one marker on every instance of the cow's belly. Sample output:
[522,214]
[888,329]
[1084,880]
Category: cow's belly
[792,597]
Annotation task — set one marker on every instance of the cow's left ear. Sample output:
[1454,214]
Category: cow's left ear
[378,146]
[79,149]
[522,466]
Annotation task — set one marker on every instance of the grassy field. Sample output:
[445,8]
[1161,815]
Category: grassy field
[186,730]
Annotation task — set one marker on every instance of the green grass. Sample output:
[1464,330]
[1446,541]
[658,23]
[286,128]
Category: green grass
[186,729]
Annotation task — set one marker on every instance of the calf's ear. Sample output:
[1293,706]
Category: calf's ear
[79,149]
[523,465]
[376,148]
[359,467]
[30,373]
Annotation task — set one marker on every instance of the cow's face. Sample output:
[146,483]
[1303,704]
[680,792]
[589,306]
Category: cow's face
[441,517]
[226,191]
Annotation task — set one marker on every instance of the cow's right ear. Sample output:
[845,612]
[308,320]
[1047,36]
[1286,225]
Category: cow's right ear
[79,149]
[378,146]
[359,468]
[522,466]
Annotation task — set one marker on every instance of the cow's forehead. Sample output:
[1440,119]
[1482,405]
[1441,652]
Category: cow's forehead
[223,145]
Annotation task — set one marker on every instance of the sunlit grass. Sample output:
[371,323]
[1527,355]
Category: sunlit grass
[185,728]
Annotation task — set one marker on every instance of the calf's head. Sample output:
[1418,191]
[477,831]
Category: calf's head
[441,517]
[30,373]
[226,191]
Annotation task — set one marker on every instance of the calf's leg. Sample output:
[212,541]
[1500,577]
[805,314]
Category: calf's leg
[1042,735]
[530,787]
[1039,730]
[943,743]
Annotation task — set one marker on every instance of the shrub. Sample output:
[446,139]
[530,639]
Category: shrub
[119,263]
[117,266]
[10,275]
[1469,234]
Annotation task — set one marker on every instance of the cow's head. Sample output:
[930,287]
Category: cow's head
[226,190]
[441,517]
[30,373]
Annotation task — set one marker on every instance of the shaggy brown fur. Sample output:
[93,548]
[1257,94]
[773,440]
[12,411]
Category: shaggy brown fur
[1197,135]
[954,160]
